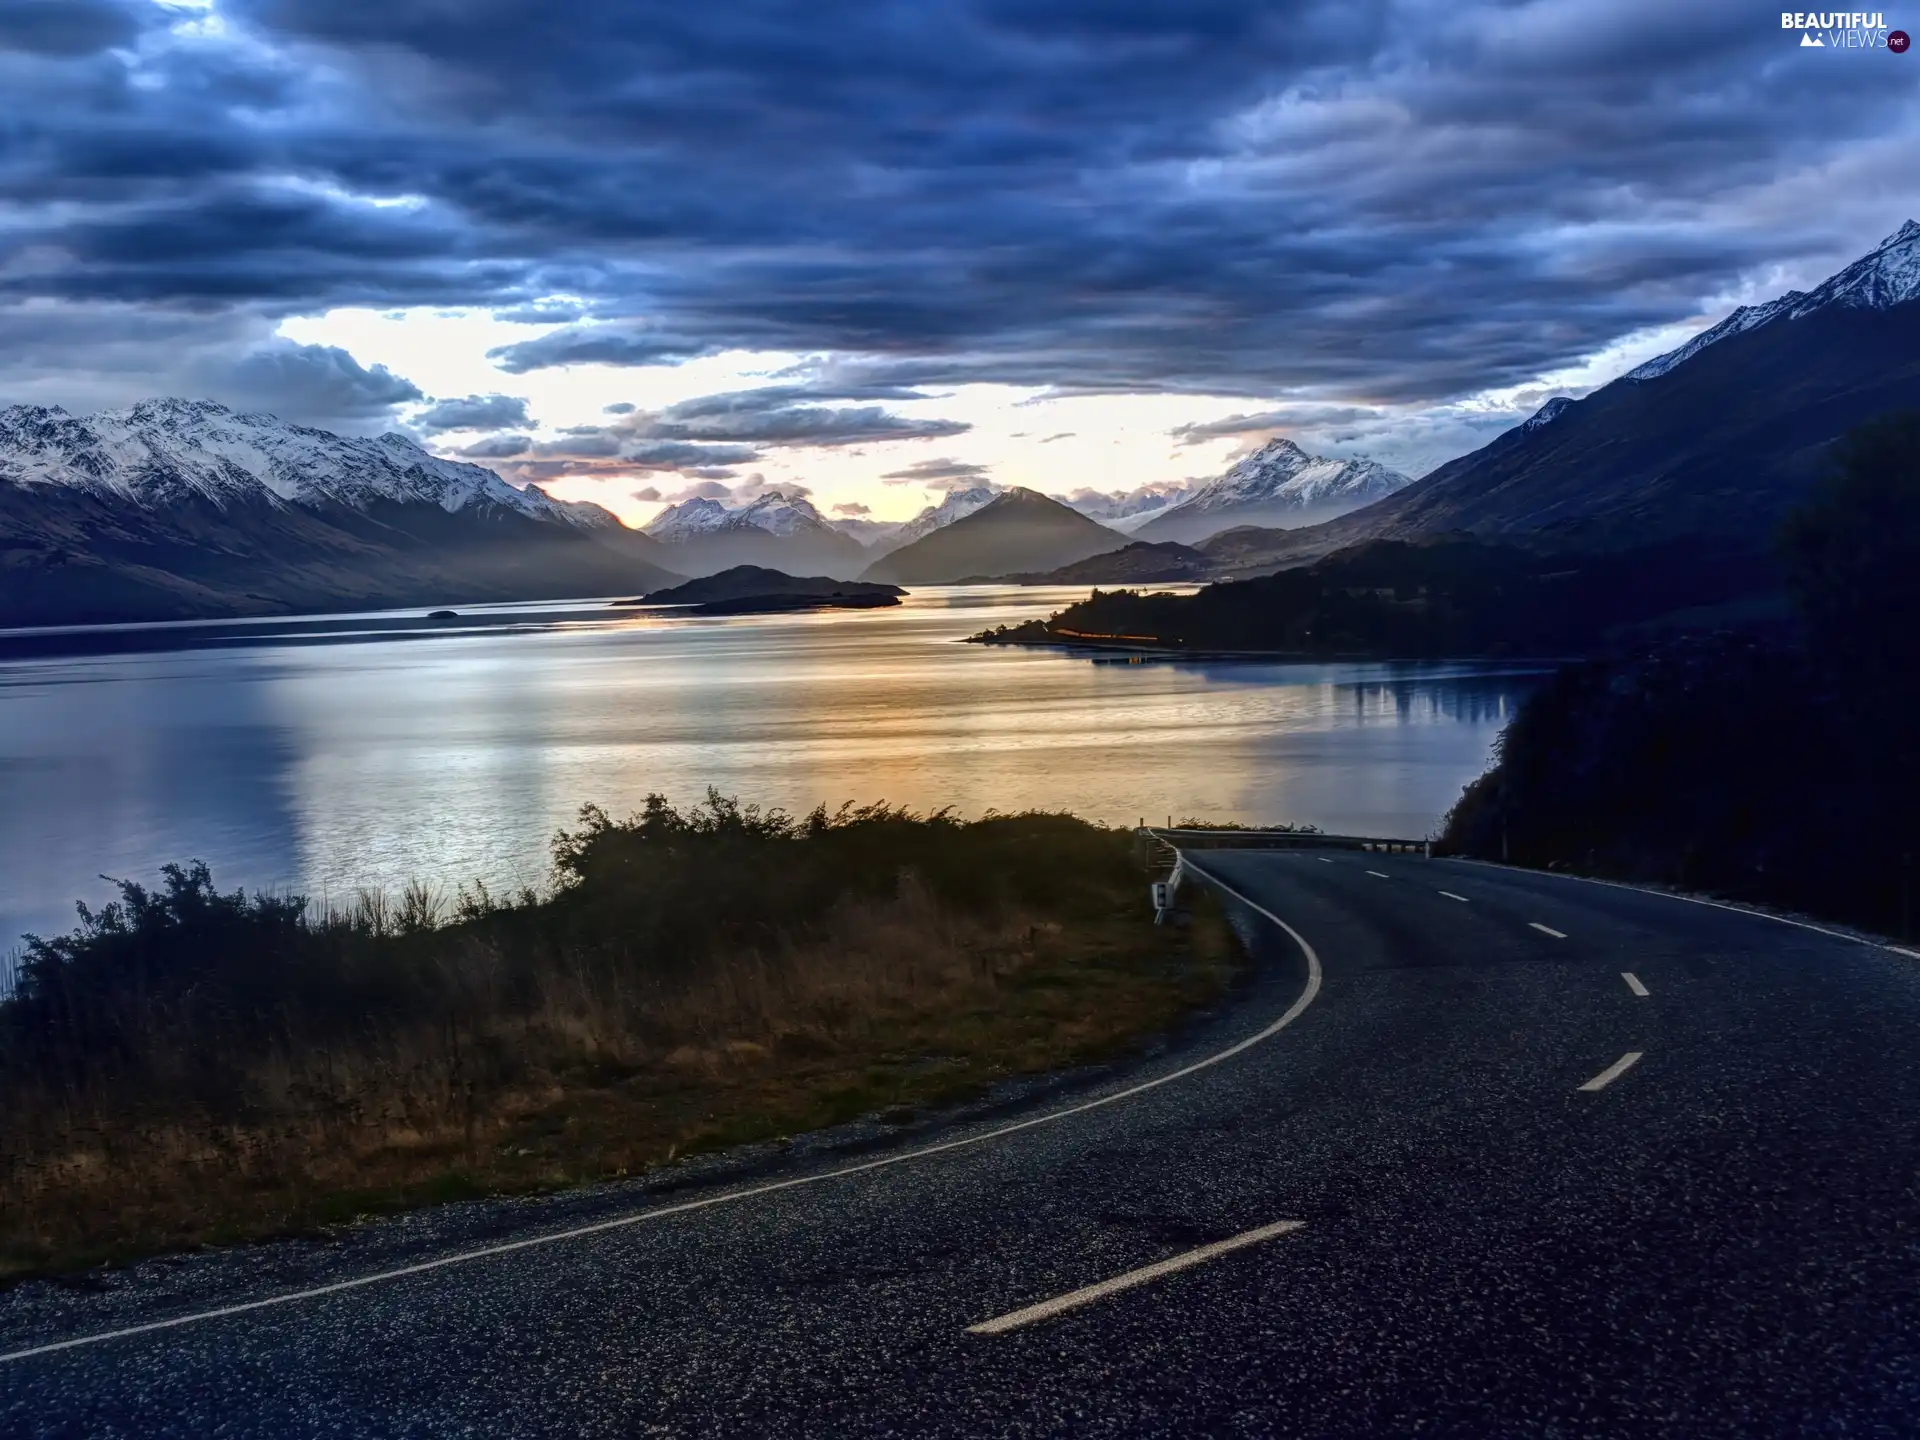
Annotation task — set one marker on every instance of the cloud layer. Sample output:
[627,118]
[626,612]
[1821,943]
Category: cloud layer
[1361,202]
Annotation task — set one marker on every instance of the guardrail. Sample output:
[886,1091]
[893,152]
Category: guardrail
[1175,839]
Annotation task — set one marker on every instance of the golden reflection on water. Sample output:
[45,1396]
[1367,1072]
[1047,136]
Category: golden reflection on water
[332,767]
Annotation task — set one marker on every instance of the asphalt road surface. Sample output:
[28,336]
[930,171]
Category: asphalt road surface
[1423,1189]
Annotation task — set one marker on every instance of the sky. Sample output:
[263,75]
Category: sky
[638,250]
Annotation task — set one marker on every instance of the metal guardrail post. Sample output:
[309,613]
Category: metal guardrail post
[1165,893]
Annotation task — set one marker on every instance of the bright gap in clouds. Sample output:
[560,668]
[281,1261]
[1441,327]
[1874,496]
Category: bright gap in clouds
[1054,443]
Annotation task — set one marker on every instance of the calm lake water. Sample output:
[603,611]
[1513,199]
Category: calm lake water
[364,751]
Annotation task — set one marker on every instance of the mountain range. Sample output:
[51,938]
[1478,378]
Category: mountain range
[1018,530]
[1718,438]
[783,529]
[779,529]
[1280,486]
[171,509]
[954,505]
[1125,510]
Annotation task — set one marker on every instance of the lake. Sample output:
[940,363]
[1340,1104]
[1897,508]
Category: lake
[331,754]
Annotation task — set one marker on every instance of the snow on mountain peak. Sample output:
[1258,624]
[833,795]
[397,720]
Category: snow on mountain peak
[1888,275]
[954,505]
[1281,473]
[781,513]
[1126,510]
[1909,230]
[778,512]
[698,516]
[1547,413]
[171,450]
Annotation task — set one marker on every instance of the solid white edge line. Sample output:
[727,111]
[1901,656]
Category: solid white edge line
[1294,1012]
[1633,983]
[1548,930]
[1870,943]
[1461,898]
[1074,1299]
[1614,1071]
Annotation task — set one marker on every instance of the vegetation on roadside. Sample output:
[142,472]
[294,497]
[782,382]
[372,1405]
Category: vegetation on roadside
[1775,769]
[190,1065]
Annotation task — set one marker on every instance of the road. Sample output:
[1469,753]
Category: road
[1408,1181]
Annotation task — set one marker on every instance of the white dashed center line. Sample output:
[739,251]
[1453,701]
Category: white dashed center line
[1381,873]
[1633,982]
[1073,1299]
[1548,930]
[1614,1071]
[1323,859]
[1451,896]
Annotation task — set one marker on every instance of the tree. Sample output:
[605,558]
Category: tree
[1853,565]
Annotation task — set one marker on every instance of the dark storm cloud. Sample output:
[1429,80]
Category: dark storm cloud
[937,473]
[1341,199]
[312,384]
[1293,415]
[497,447]
[69,27]
[616,449]
[598,344]
[475,412]
[771,416]
[542,312]
[681,454]
[580,443]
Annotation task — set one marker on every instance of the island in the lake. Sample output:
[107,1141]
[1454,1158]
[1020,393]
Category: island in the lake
[757,590]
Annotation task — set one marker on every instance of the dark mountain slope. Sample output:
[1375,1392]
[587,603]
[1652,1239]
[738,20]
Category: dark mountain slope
[75,556]
[1721,438]
[174,509]
[1020,531]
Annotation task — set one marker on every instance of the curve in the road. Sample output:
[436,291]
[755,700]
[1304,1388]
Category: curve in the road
[1293,1012]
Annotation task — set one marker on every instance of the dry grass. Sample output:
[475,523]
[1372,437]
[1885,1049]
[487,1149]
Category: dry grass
[527,1074]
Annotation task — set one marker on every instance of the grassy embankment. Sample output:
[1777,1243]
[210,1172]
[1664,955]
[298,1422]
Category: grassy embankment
[189,1066]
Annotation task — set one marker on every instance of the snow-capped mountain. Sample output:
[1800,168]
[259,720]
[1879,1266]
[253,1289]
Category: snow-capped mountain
[176,508]
[1887,276]
[868,532]
[1018,531]
[162,452]
[1546,414]
[698,516]
[1279,486]
[779,529]
[776,512]
[1126,511]
[954,505]
[1730,439]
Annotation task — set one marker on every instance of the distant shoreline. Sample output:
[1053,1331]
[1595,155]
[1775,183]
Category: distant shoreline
[1160,650]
